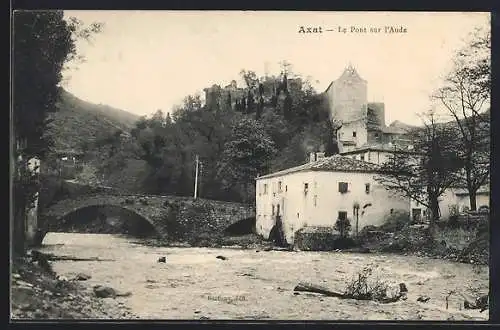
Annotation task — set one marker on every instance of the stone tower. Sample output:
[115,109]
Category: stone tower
[347,102]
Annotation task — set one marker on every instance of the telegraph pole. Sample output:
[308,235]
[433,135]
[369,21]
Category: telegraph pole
[196,178]
[285,67]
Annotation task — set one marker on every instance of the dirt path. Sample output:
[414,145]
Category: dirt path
[193,283]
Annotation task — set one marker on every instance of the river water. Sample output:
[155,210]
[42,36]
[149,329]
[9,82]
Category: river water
[194,284]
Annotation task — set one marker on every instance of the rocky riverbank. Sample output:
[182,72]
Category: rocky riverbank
[37,293]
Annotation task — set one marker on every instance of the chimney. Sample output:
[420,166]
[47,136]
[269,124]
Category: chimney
[320,155]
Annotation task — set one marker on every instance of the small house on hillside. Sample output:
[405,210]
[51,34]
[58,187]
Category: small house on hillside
[322,191]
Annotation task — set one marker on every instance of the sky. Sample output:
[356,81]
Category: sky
[143,61]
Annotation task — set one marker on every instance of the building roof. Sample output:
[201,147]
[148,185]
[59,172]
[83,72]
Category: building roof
[378,147]
[336,163]
[349,71]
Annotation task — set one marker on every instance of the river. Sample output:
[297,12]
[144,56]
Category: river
[253,285]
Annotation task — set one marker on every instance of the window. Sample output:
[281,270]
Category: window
[272,210]
[354,134]
[392,211]
[286,188]
[376,134]
[362,157]
[367,188]
[343,187]
[315,200]
[306,188]
[278,209]
[342,215]
[279,186]
[265,189]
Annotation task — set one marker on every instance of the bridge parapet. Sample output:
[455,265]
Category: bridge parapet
[172,216]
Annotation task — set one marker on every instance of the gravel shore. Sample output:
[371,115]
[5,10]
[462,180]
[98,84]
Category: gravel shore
[38,294]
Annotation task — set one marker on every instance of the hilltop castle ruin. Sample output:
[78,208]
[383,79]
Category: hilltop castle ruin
[358,124]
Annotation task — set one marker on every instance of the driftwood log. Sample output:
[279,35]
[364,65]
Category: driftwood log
[58,258]
[37,255]
[308,287]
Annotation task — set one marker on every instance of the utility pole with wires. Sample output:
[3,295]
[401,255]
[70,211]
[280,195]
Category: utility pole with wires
[196,178]
[200,176]
[285,67]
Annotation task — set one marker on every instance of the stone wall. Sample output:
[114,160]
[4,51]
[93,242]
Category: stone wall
[188,219]
[175,218]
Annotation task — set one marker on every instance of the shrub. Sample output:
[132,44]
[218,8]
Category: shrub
[453,222]
[396,221]
[343,226]
[315,238]
[88,175]
[361,287]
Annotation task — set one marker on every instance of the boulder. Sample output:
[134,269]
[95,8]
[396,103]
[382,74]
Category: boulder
[108,292]
[82,277]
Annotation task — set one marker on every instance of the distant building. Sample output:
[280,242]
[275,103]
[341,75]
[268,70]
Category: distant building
[321,191]
[363,122]
[455,199]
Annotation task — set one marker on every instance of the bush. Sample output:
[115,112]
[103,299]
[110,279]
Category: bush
[343,226]
[396,221]
[315,239]
[362,288]
[453,221]
[88,175]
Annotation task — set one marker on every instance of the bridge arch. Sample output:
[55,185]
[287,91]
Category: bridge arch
[104,218]
[241,227]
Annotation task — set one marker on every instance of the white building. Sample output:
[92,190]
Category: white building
[452,198]
[320,192]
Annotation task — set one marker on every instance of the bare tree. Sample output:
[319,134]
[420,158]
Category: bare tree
[465,95]
[427,172]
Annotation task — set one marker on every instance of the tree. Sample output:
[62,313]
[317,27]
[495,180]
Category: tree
[246,155]
[250,102]
[425,175]
[465,94]
[43,42]
[250,78]
[343,226]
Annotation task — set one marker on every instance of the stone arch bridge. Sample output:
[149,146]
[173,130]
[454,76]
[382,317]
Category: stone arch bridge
[170,216]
